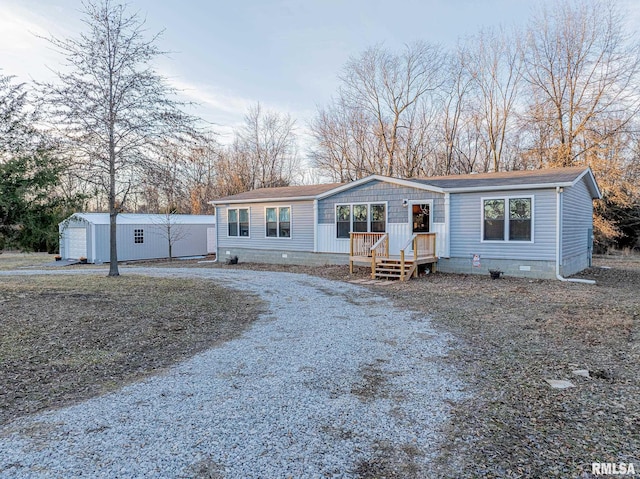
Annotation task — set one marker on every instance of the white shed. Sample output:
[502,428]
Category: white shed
[140,236]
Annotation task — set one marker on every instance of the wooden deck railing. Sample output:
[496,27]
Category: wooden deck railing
[380,248]
[424,245]
[361,243]
[371,247]
[364,244]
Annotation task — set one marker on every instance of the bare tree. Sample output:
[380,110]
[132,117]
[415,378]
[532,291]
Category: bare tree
[269,143]
[494,63]
[584,68]
[263,155]
[378,123]
[346,147]
[200,172]
[454,113]
[171,229]
[388,87]
[109,103]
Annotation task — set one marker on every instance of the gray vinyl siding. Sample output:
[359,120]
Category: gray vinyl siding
[102,236]
[466,227]
[577,219]
[378,191]
[188,240]
[302,228]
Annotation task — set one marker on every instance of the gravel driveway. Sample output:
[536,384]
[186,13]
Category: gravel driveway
[332,382]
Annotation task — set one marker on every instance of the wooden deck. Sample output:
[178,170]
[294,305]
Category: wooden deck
[372,249]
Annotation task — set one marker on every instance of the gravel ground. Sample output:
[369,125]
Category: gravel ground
[332,382]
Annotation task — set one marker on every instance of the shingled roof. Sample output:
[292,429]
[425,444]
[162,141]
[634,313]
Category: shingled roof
[552,176]
[284,192]
[548,178]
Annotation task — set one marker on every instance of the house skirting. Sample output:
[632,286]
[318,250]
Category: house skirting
[510,267]
[517,268]
[304,258]
[575,264]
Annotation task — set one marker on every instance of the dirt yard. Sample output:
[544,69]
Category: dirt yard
[68,338]
[512,334]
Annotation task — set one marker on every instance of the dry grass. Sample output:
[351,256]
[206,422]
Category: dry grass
[15,260]
[63,339]
[511,334]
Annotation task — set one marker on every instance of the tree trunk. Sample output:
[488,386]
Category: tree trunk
[113,211]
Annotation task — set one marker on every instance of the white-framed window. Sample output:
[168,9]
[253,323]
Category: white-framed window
[238,222]
[278,222]
[138,236]
[360,218]
[507,219]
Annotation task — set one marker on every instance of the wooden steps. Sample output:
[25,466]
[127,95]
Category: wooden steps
[391,268]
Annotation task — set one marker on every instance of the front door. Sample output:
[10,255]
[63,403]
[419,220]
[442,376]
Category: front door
[420,217]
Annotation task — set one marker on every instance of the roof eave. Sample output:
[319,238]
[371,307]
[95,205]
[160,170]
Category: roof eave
[262,200]
[534,186]
[596,193]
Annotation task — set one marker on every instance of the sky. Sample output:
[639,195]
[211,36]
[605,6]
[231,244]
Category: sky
[285,54]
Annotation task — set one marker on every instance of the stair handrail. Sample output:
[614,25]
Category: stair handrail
[410,241]
[382,239]
[373,249]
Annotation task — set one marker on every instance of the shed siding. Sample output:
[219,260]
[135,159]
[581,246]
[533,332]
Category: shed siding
[189,240]
[302,228]
[102,238]
[577,220]
[466,227]
[379,191]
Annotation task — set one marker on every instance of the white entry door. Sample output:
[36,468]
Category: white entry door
[77,243]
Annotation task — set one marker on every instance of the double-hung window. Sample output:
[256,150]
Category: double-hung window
[360,218]
[278,222]
[343,220]
[507,219]
[138,236]
[238,219]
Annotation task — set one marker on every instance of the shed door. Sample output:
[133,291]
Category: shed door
[77,242]
[211,240]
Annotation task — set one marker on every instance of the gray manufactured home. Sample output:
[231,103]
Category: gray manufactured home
[139,236]
[525,223]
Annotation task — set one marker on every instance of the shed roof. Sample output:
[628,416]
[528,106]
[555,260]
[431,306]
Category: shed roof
[145,219]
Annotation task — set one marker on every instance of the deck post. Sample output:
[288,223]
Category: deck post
[415,257]
[350,253]
[401,265]
[373,264]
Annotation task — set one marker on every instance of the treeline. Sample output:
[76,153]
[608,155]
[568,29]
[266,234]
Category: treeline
[562,91]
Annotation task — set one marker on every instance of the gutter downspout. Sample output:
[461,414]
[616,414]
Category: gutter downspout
[447,228]
[215,212]
[559,191]
[217,248]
